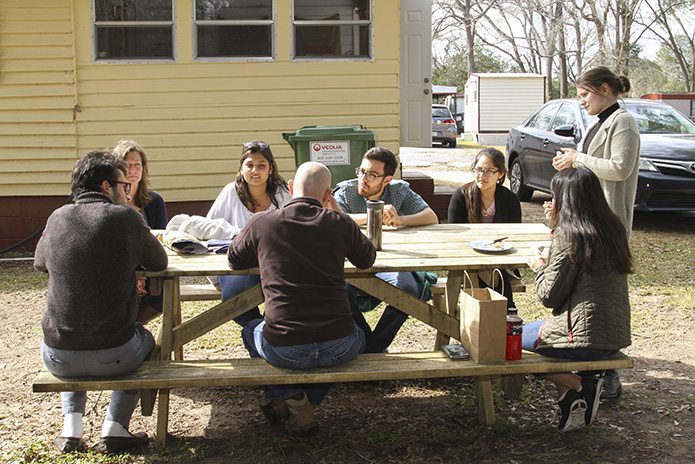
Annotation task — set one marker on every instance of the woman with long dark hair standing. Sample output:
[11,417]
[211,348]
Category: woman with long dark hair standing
[583,280]
[486,200]
[258,187]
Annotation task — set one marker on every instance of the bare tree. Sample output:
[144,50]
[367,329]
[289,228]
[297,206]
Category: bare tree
[672,22]
[466,13]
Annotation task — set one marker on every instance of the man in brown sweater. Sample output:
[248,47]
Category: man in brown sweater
[91,250]
[301,250]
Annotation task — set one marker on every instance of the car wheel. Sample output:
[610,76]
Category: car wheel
[452,143]
[516,181]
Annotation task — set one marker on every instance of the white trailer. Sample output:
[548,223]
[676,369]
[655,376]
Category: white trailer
[496,102]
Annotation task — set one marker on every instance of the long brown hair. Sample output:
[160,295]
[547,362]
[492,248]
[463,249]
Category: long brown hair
[275,181]
[143,197]
[471,192]
[596,237]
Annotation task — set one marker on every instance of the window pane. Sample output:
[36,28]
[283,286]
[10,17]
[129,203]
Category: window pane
[233,9]
[331,9]
[337,41]
[134,42]
[133,10]
[233,41]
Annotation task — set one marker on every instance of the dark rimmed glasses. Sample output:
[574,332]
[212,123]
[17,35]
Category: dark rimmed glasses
[126,186]
[485,172]
[369,175]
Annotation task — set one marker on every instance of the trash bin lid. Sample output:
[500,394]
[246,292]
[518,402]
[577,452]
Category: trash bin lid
[309,133]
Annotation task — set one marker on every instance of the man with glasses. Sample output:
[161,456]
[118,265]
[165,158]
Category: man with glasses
[91,250]
[402,208]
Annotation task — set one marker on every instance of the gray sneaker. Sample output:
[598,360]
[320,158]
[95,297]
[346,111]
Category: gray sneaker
[612,387]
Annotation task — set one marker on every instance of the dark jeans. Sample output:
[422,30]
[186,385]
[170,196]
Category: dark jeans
[233,285]
[306,356]
[391,320]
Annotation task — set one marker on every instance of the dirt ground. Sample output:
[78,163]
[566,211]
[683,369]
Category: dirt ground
[431,421]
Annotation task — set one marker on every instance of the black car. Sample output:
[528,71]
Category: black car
[666,179]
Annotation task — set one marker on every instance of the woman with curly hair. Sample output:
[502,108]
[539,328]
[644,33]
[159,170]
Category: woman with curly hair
[148,202]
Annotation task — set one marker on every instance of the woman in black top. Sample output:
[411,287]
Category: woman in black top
[486,200]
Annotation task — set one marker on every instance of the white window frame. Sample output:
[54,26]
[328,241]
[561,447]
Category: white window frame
[350,22]
[235,22]
[134,24]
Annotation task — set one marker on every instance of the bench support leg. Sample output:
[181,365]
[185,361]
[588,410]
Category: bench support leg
[511,386]
[486,406]
[162,418]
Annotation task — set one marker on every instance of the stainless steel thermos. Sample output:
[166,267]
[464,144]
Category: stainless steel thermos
[375,214]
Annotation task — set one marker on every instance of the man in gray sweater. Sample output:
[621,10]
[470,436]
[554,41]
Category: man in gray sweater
[91,250]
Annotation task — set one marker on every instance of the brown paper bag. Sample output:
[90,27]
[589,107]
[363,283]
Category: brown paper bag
[483,324]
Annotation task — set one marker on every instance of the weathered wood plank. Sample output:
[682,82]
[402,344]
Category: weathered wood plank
[366,367]
[392,295]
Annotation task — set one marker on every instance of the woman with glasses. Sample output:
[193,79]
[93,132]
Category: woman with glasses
[152,207]
[486,200]
[258,187]
[583,279]
[150,204]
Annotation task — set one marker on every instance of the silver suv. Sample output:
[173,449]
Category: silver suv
[443,126]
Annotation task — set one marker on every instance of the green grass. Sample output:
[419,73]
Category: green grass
[20,276]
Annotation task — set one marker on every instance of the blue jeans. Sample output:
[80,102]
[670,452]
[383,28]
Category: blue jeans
[101,363]
[530,338]
[307,356]
[391,320]
[233,285]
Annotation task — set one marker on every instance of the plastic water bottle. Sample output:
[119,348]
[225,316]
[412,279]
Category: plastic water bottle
[514,331]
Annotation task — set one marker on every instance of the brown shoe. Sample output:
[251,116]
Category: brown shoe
[125,444]
[301,422]
[70,444]
[275,410]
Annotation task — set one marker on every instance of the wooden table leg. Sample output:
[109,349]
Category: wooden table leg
[162,418]
[176,316]
[439,302]
[171,290]
[486,406]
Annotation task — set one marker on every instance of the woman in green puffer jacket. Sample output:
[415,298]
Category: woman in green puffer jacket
[583,279]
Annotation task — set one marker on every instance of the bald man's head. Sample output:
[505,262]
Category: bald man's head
[311,180]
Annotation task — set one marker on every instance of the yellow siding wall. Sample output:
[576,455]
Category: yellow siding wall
[37,97]
[191,117]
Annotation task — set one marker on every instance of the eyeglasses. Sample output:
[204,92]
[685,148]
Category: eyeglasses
[253,147]
[369,175]
[126,186]
[485,172]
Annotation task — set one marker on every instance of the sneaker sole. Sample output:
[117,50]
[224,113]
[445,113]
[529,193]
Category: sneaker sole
[577,416]
[597,400]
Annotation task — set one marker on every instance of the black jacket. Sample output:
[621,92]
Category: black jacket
[507,207]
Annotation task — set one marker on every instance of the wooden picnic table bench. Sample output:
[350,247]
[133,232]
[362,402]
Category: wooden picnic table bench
[167,375]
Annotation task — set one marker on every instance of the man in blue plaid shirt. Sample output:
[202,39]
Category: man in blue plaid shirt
[402,208]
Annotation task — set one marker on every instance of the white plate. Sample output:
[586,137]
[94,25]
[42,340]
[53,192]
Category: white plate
[488,247]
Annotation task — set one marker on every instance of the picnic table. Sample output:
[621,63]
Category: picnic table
[439,248]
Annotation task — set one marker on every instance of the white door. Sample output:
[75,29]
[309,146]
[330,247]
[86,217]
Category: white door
[416,73]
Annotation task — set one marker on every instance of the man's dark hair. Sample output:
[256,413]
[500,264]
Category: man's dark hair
[384,155]
[93,169]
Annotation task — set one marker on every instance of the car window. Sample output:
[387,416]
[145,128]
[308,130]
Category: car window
[564,117]
[541,120]
[441,113]
[655,119]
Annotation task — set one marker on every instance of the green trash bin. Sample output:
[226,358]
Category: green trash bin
[340,148]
